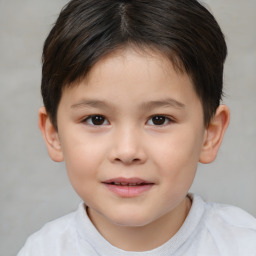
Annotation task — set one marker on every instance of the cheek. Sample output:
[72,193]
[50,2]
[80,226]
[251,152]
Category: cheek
[178,154]
[83,160]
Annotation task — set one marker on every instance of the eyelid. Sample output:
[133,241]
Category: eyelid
[88,120]
[85,120]
[168,119]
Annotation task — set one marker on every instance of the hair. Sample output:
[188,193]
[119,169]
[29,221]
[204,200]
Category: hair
[87,30]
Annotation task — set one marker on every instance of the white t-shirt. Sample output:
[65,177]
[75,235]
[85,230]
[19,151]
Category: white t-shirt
[210,229]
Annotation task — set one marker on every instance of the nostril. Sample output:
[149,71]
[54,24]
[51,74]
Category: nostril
[127,153]
[128,161]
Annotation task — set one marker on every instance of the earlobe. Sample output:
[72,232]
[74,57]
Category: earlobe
[214,134]
[50,135]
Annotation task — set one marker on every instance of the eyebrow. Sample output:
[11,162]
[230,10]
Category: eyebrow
[167,102]
[91,103]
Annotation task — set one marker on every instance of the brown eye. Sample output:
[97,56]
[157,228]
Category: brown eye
[96,120]
[159,120]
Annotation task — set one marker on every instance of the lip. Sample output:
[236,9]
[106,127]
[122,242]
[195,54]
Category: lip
[128,187]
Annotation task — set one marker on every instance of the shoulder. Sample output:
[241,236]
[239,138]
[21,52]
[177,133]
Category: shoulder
[51,237]
[230,228]
[231,217]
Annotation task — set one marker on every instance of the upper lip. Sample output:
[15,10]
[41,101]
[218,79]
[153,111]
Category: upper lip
[127,181]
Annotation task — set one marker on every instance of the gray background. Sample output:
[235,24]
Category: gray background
[34,190]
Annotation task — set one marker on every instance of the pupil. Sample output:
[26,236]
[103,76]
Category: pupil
[98,120]
[158,120]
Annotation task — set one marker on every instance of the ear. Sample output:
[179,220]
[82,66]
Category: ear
[214,134]
[50,135]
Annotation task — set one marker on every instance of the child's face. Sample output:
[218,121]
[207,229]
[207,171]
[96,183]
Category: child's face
[131,136]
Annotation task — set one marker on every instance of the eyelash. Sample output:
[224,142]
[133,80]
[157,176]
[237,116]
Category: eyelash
[167,120]
[86,120]
[103,121]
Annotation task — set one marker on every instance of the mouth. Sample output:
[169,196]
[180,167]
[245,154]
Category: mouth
[127,182]
[131,187]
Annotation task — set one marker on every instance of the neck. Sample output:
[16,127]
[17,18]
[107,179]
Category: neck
[143,238]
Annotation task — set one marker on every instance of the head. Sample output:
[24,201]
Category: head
[86,31]
[132,92]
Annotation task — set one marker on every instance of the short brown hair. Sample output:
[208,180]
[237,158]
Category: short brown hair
[86,30]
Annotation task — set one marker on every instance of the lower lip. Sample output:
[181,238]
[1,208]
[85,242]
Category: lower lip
[128,191]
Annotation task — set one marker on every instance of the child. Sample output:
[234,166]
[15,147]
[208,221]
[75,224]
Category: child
[132,94]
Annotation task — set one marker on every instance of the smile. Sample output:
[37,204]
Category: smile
[127,188]
[127,184]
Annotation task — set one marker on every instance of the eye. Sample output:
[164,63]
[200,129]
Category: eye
[159,120]
[96,120]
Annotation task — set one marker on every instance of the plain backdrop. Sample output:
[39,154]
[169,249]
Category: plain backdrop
[34,190]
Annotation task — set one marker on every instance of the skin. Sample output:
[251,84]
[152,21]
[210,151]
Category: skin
[126,89]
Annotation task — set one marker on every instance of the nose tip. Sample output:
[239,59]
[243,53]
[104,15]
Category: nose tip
[128,160]
[127,149]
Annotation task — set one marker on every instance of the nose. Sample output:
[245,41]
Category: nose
[127,147]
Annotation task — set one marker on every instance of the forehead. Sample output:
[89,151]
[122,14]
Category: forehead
[150,58]
[128,85]
[134,75]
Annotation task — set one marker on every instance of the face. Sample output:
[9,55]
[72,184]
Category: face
[131,135]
